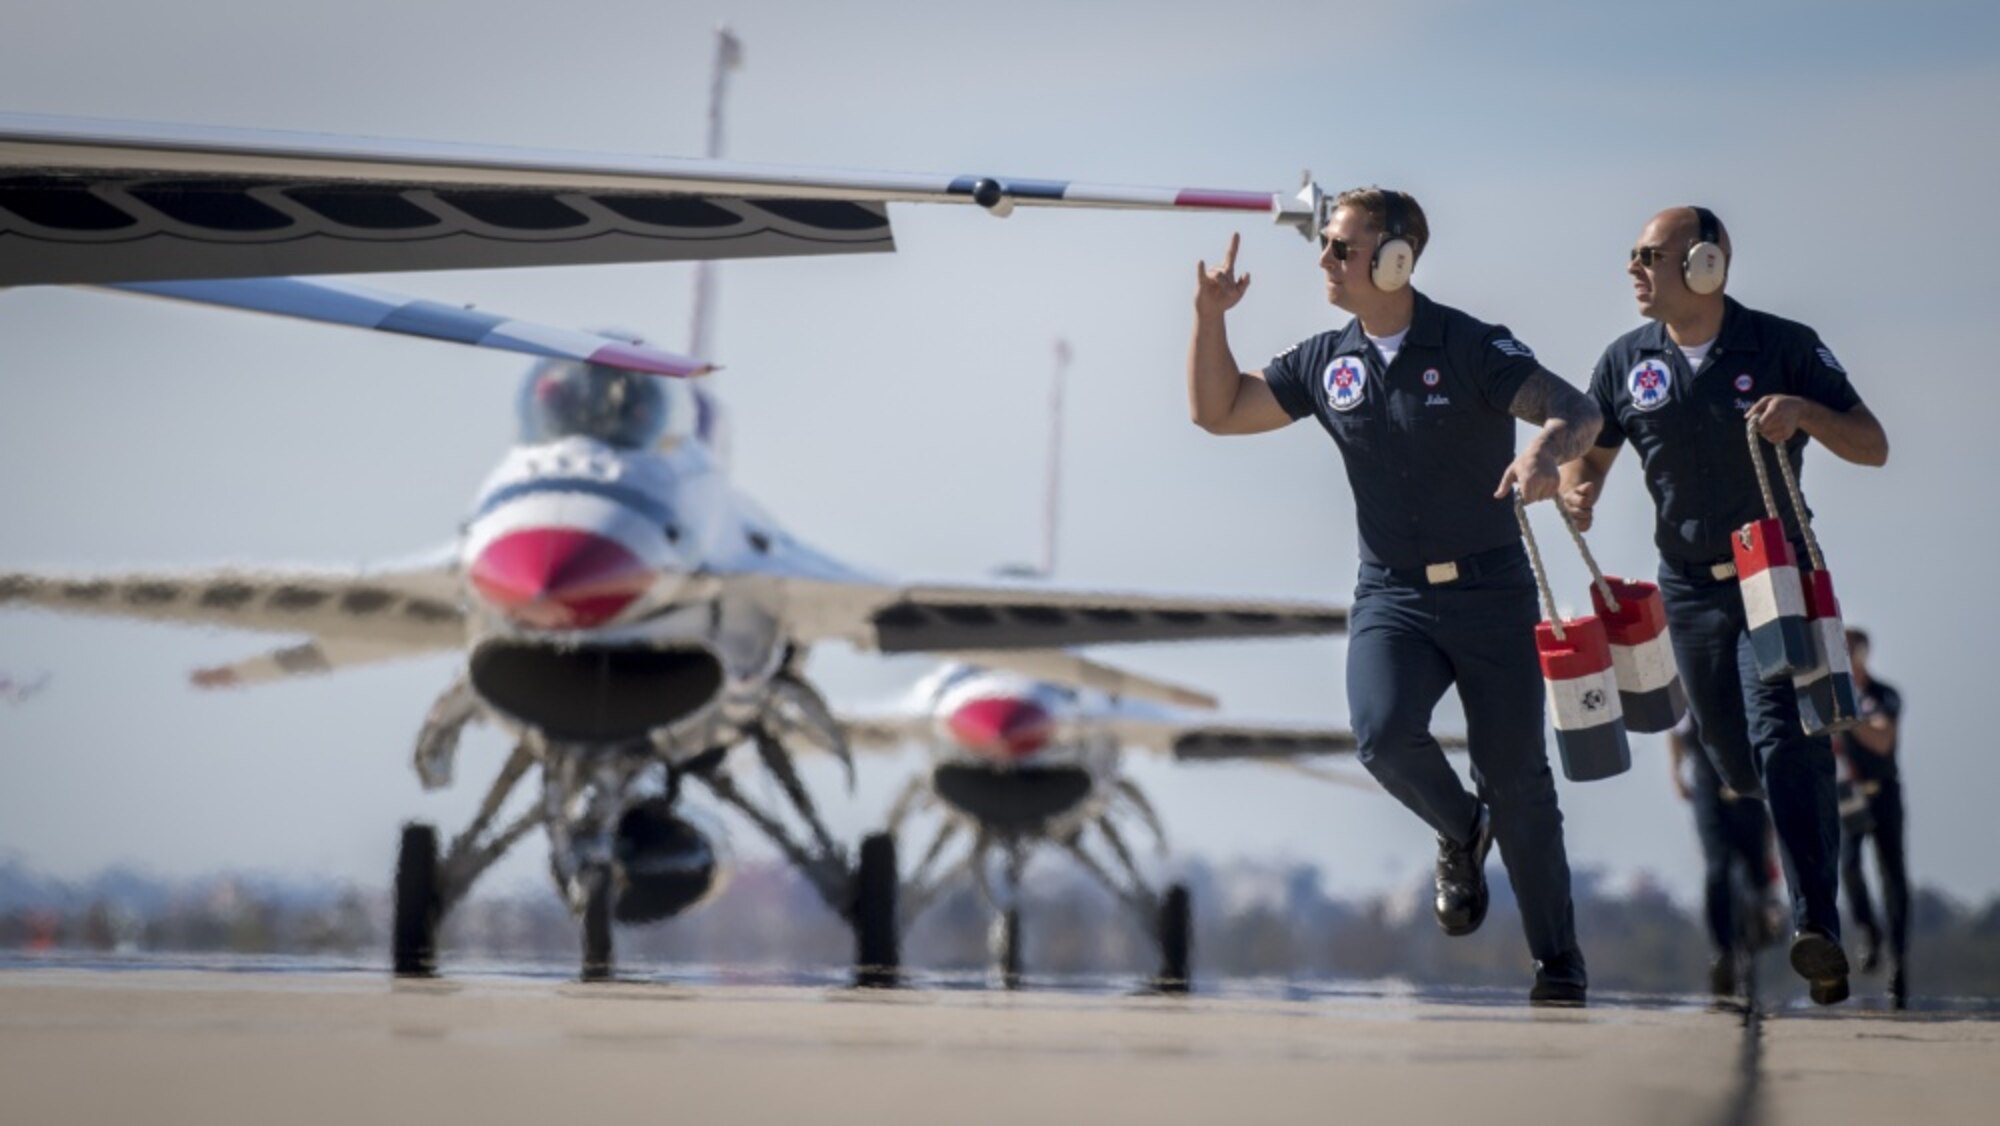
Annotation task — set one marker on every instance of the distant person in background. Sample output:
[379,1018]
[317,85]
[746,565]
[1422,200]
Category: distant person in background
[1735,841]
[1873,808]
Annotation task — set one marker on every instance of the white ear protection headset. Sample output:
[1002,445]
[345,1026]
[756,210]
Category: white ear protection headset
[1706,267]
[1395,258]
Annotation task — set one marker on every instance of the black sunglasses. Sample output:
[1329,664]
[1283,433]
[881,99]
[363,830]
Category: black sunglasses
[1648,256]
[1340,246]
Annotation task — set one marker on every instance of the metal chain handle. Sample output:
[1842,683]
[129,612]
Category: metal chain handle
[1535,563]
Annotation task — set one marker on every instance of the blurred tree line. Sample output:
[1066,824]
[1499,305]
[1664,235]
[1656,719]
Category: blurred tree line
[1273,922]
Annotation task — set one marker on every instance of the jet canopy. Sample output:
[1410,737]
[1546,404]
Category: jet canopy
[569,399]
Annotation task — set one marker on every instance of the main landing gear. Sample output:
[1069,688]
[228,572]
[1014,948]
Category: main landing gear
[877,957]
[1175,932]
[1167,917]
[621,852]
[413,934]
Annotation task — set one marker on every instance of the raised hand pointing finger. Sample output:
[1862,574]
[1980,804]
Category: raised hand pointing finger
[1219,290]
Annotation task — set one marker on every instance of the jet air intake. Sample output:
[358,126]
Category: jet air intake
[597,694]
[1012,801]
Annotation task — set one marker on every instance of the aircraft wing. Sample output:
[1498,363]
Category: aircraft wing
[890,728]
[343,303]
[885,731]
[86,201]
[1218,742]
[940,618]
[1076,671]
[1190,740]
[1280,746]
[413,610]
[311,658]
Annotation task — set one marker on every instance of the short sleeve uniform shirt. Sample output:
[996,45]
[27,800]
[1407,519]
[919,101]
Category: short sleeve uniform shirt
[1425,439]
[1688,429]
[1876,699]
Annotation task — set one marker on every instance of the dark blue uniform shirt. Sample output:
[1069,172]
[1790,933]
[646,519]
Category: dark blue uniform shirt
[1688,427]
[1426,439]
[1876,699]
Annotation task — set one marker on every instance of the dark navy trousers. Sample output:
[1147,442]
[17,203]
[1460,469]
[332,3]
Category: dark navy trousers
[1735,834]
[1751,733]
[1408,642]
[1885,809]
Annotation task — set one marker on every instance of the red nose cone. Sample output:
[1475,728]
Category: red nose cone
[559,578]
[1002,726]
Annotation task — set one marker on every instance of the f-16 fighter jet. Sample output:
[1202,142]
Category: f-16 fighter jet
[1031,756]
[624,614]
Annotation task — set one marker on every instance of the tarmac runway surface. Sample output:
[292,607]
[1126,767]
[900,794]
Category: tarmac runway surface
[216,1048]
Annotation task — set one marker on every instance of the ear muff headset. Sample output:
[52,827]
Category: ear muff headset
[1395,257]
[1706,267]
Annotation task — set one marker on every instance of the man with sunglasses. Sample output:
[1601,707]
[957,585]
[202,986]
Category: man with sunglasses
[1421,401]
[1683,389]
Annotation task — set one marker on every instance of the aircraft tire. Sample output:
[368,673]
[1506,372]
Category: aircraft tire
[1176,940]
[597,925]
[1007,947]
[877,961]
[418,903]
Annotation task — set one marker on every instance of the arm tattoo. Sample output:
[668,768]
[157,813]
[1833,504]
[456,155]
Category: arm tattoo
[1543,399]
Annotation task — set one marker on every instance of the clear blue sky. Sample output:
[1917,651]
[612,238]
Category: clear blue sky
[889,408]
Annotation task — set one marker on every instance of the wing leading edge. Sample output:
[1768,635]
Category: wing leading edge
[952,619]
[416,610]
[1203,740]
[96,202]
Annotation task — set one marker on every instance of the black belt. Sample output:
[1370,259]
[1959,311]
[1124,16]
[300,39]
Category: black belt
[1720,571]
[1458,570]
[1723,570]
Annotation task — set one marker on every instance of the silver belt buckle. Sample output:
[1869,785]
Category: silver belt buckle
[1723,571]
[1437,574]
